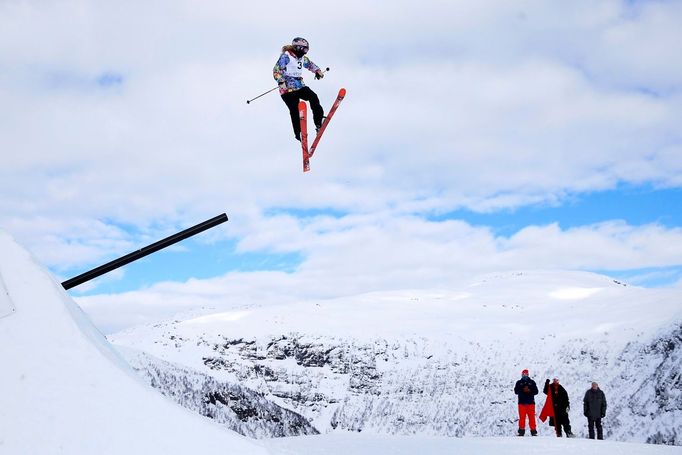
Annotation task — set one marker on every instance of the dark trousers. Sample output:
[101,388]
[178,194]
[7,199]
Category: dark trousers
[561,420]
[291,99]
[591,423]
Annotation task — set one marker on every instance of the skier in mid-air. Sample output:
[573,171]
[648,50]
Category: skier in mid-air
[288,72]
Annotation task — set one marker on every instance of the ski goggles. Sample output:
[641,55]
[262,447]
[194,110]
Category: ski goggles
[303,49]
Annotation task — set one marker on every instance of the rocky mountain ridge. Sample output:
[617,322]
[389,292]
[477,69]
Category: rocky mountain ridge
[444,381]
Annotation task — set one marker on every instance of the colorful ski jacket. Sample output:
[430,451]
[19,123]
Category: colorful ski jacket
[289,69]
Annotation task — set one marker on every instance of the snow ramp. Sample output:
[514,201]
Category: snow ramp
[64,389]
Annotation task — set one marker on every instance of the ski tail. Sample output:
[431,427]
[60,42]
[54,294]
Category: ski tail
[339,98]
[303,117]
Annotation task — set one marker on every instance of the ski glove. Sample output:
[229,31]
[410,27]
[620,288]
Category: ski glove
[282,85]
[319,75]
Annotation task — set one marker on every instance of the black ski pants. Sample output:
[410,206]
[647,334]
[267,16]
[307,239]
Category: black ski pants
[591,423]
[561,420]
[291,99]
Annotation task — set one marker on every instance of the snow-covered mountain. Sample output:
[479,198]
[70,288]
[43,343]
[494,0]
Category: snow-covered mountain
[443,362]
[66,390]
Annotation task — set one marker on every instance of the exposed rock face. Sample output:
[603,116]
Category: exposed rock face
[651,377]
[418,386]
[445,362]
[232,405]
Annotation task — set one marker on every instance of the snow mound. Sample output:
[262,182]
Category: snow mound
[6,305]
[500,307]
[66,390]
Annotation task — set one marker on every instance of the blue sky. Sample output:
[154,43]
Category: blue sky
[474,138]
[637,205]
[195,258]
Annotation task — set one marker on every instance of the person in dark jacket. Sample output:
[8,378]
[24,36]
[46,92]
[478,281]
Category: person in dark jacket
[560,405]
[594,408]
[526,389]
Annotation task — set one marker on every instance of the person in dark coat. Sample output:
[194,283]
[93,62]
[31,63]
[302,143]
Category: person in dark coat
[560,405]
[526,389]
[594,408]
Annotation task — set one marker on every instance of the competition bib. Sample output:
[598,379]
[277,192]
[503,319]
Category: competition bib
[294,67]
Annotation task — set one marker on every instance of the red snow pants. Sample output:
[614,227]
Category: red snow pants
[527,410]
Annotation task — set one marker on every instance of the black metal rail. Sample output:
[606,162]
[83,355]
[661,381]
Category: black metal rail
[134,256]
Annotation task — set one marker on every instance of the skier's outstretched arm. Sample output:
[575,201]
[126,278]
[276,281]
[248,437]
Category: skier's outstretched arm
[312,67]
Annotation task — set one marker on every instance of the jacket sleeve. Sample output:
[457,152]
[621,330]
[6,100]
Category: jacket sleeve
[603,404]
[585,407]
[517,387]
[307,63]
[533,388]
[546,387]
[280,66]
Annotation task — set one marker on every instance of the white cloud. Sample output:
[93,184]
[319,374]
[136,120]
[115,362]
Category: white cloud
[365,253]
[611,245]
[486,105]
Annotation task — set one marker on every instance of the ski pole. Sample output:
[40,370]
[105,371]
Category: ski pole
[272,90]
[262,94]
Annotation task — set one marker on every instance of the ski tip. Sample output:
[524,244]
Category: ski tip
[342,92]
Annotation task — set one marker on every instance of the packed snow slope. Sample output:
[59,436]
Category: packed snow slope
[65,390]
[364,444]
[442,363]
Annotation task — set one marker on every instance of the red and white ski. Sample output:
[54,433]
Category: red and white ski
[303,117]
[339,98]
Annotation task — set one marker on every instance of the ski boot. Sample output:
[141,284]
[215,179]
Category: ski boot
[318,127]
